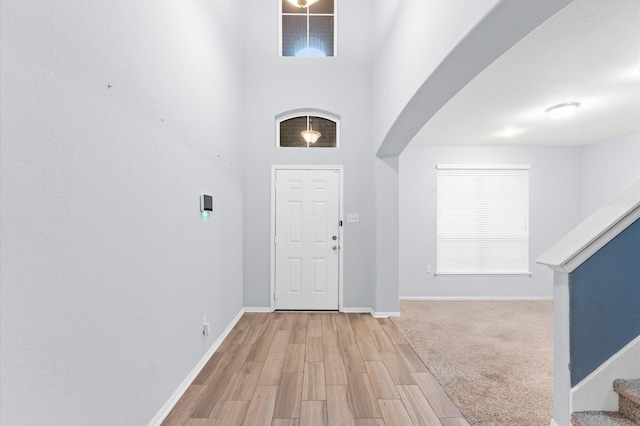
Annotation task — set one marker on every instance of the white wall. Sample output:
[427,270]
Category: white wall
[426,51]
[608,167]
[412,39]
[341,85]
[116,116]
[555,192]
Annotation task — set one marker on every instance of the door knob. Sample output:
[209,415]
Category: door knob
[334,248]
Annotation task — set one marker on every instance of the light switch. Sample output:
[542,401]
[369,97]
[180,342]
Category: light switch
[353,217]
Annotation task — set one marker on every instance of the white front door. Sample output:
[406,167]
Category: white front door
[307,239]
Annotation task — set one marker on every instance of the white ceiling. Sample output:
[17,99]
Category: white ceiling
[589,53]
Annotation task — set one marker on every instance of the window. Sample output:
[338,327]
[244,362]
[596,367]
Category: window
[290,130]
[483,219]
[308,31]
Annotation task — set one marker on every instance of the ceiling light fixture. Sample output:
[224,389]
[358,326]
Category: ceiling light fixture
[510,132]
[302,3]
[310,135]
[562,110]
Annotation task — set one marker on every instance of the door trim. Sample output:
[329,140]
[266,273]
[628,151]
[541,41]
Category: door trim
[273,226]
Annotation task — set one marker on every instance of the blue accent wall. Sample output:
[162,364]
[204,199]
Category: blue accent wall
[605,303]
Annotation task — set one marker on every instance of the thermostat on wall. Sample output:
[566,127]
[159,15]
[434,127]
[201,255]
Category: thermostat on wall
[206,203]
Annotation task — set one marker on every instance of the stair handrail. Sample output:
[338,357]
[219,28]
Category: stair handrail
[595,231]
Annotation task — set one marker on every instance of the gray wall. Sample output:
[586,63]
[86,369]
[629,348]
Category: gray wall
[608,167]
[116,116]
[555,191]
[341,85]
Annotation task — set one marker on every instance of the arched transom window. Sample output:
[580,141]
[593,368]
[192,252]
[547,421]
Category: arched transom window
[311,130]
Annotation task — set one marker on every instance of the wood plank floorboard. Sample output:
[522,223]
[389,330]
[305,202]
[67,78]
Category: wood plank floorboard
[315,351]
[339,409]
[417,405]
[261,409]
[381,381]
[299,334]
[185,406]
[289,397]
[382,341]
[260,348]
[368,349]
[451,421]
[334,371]
[294,360]
[394,413]
[436,396]
[330,341]
[397,368]
[314,369]
[313,382]
[272,369]
[370,422]
[363,399]
[313,413]
[232,413]
[202,422]
[246,382]
[285,422]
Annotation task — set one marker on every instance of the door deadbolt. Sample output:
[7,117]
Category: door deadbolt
[334,238]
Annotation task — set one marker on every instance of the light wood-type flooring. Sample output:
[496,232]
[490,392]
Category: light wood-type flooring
[299,369]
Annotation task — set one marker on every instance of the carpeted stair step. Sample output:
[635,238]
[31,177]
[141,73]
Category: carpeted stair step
[600,418]
[628,408]
[628,398]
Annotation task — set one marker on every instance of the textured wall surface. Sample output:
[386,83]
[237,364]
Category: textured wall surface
[116,116]
[605,296]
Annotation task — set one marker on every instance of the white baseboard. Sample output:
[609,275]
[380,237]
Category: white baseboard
[363,310]
[370,311]
[553,423]
[477,298]
[385,314]
[595,392]
[258,309]
[352,310]
[173,400]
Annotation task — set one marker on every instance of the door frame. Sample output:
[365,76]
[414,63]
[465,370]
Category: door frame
[273,225]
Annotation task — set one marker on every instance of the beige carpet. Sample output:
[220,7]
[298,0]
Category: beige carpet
[494,359]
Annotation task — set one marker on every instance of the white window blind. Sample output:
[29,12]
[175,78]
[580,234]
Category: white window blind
[483,219]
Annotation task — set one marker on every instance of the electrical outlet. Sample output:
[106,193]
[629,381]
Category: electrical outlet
[428,269]
[205,326]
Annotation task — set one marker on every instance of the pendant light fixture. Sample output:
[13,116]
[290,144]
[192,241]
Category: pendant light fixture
[302,3]
[310,135]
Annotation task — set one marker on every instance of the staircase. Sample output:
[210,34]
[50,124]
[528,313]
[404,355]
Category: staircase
[629,408]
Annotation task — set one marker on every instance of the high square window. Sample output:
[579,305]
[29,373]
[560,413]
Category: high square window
[309,30]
